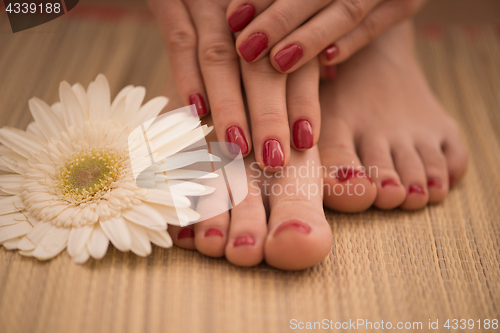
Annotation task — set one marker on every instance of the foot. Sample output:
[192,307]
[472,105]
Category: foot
[385,139]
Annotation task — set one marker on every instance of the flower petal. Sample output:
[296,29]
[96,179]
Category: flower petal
[160,238]
[23,143]
[11,244]
[78,238]
[9,219]
[11,204]
[52,243]
[13,231]
[133,103]
[34,237]
[140,241]
[34,129]
[121,94]
[72,110]
[149,110]
[145,216]
[166,198]
[46,119]
[81,94]
[100,99]
[118,233]
[98,243]
[82,257]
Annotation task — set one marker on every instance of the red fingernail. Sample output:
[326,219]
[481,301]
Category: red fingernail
[451,181]
[331,51]
[289,56]
[347,173]
[212,232]
[235,135]
[331,71]
[241,17]
[244,240]
[303,134]
[434,183]
[185,233]
[199,103]
[416,189]
[253,46]
[389,182]
[273,154]
[299,226]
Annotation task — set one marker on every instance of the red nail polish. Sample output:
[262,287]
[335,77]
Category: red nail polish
[389,182]
[332,51]
[185,233]
[241,17]
[434,183]
[213,232]
[416,189]
[347,173]
[451,181]
[235,135]
[301,227]
[331,71]
[199,103]
[303,134]
[244,240]
[253,46]
[289,56]
[273,154]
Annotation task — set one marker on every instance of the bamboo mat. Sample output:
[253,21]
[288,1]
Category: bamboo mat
[439,263]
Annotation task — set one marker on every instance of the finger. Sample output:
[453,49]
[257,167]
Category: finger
[241,12]
[302,96]
[379,20]
[307,41]
[220,67]
[180,40]
[273,24]
[265,90]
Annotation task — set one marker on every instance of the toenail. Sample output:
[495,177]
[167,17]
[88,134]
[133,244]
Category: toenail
[213,232]
[416,189]
[273,154]
[451,181]
[347,173]
[389,182]
[434,183]
[185,233]
[244,240]
[299,226]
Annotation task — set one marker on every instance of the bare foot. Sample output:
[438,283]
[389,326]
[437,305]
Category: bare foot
[380,119]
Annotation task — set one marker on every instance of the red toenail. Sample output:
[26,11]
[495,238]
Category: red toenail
[416,189]
[186,233]
[212,232]
[389,182]
[434,183]
[301,227]
[451,181]
[244,240]
[347,173]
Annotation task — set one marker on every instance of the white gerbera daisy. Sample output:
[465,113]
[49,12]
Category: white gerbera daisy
[73,178]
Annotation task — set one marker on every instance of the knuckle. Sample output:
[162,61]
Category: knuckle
[225,108]
[181,39]
[272,115]
[283,19]
[218,52]
[355,9]
[320,34]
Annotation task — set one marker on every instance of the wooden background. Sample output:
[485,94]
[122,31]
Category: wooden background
[442,262]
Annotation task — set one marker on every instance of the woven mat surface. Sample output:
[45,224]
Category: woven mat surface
[442,262]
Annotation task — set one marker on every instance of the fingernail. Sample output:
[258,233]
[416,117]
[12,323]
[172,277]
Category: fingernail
[347,173]
[185,233]
[244,240]
[289,56]
[434,183]
[451,181]
[273,154]
[389,182]
[331,51]
[241,17]
[331,71]
[199,103]
[253,46]
[416,189]
[303,134]
[235,135]
[213,232]
[299,226]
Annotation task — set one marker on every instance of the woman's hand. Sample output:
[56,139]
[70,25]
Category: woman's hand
[295,31]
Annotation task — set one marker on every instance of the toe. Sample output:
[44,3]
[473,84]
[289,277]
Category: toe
[182,237]
[376,156]
[412,174]
[347,187]
[456,156]
[435,170]
[211,235]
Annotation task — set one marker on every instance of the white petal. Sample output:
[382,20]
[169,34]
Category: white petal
[121,94]
[118,110]
[100,99]
[160,238]
[140,241]
[12,244]
[173,216]
[82,98]
[34,237]
[145,216]
[78,238]
[133,103]
[72,109]
[23,143]
[149,110]
[17,165]
[13,231]
[188,174]
[52,243]
[11,204]
[189,188]
[82,257]
[11,180]
[48,122]
[166,198]
[183,159]
[180,143]
[34,129]
[98,243]
[9,219]
[118,233]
